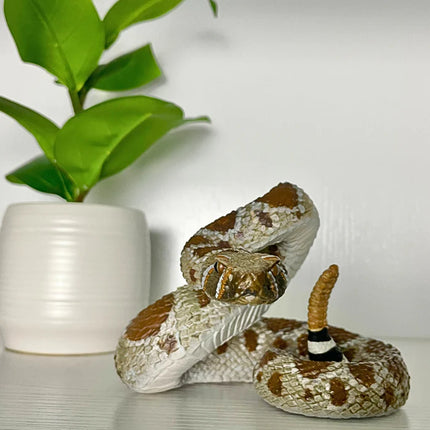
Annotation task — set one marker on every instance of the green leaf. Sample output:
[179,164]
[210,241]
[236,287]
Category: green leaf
[129,71]
[214,7]
[106,138]
[127,12]
[43,175]
[64,37]
[141,139]
[40,127]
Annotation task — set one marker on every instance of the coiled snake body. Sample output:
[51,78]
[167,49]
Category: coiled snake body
[212,329]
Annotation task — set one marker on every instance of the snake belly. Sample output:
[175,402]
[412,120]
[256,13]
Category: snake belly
[188,337]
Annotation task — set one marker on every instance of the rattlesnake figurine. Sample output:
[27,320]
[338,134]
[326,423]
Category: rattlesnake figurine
[212,329]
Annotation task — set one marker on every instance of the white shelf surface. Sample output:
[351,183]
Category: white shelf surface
[84,392]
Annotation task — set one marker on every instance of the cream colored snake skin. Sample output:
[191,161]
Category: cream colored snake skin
[212,329]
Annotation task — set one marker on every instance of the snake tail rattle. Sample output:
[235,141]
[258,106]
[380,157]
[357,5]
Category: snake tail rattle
[213,329]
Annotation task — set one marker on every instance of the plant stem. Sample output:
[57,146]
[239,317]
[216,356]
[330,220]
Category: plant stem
[81,197]
[76,102]
[82,94]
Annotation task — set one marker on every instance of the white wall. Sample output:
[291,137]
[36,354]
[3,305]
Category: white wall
[331,95]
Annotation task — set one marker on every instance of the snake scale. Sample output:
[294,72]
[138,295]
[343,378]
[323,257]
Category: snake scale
[212,329]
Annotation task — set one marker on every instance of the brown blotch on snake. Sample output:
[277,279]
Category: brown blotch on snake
[264,219]
[222,348]
[350,353]
[223,224]
[278,324]
[340,335]
[374,346]
[308,395]
[275,384]
[282,195]
[251,340]
[268,356]
[396,368]
[338,393]
[363,373]
[203,298]
[302,345]
[280,343]
[388,396]
[197,240]
[148,322]
[311,369]
[192,275]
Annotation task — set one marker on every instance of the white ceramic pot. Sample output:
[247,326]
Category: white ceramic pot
[72,275]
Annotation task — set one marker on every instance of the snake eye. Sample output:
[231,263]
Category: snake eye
[219,267]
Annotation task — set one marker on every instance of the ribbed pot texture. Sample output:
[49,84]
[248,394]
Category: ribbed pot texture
[71,276]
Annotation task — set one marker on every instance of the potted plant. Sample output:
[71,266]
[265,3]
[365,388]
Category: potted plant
[71,274]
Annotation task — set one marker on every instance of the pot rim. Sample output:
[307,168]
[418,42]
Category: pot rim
[75,205]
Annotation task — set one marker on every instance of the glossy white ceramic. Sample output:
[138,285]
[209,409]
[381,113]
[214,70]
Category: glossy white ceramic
[71,276]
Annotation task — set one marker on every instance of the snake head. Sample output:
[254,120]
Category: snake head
[241,277]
